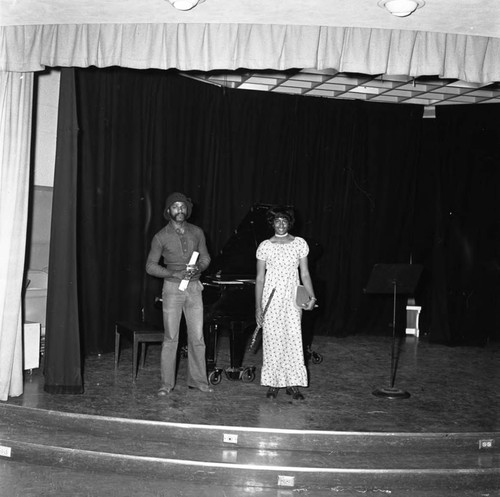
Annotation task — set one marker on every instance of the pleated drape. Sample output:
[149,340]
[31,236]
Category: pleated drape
[204,46]
[16,100]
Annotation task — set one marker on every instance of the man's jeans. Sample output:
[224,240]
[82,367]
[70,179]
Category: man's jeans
[175,302]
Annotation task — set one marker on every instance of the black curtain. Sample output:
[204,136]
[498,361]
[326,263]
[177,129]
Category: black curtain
[349,168]
[466,249]
[63,358]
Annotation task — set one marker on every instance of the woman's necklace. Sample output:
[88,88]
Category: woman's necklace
[281,236]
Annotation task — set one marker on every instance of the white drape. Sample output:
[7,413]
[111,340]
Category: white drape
[16,101]
[255,46]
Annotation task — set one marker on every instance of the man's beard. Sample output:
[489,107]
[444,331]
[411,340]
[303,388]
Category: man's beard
[181,216]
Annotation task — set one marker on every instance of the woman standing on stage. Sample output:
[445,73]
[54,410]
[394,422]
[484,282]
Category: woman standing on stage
[279,261]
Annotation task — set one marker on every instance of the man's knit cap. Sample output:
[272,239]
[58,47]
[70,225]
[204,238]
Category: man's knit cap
[177,197]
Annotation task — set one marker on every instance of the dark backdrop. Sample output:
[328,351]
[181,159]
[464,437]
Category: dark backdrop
[466,249]
[371,183]
[349,168]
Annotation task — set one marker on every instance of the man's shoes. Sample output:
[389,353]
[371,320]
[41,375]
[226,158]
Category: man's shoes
[272,393]
[163,391]
[203,388]
[295,393]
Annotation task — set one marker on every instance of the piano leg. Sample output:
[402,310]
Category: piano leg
[237,345]
[211,332]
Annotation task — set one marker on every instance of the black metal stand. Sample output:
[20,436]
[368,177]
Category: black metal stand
[394,279]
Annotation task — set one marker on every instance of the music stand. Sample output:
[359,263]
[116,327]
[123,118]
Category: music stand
[393,279]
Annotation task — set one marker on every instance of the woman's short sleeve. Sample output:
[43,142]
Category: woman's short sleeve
[262,251]
[303,248]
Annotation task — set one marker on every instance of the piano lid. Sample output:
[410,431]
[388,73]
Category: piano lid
[236,260]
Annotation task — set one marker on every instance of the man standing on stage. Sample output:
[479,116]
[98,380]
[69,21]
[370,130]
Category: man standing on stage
[181,293]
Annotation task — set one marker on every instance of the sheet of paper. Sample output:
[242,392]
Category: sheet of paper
[184,283]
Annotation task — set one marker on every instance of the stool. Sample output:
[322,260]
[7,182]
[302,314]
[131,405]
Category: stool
[139,334]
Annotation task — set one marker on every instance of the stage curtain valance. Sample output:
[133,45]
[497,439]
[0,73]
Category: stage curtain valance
[231,46]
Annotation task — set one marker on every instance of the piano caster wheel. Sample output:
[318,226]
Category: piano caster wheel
[248,375]
[316,358]
[215,377]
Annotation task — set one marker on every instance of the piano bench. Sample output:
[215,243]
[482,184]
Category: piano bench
[139,334]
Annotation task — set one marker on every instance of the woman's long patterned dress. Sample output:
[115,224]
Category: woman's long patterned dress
[283,361]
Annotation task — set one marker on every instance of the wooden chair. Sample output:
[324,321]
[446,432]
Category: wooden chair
[139,334]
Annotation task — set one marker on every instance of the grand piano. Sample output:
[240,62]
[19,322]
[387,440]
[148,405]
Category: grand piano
[229,295]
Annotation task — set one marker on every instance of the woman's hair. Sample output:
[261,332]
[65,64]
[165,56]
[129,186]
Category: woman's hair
[281,211]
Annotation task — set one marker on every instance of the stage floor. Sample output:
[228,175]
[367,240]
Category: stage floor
[452,390]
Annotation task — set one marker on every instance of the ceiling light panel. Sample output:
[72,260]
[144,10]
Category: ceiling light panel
[252,86]
[367,89]
[288,89]
[294,83]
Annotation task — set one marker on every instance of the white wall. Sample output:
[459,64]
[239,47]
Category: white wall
[43,165]
[45,132]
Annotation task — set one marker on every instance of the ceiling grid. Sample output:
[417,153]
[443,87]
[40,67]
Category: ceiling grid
[426,91]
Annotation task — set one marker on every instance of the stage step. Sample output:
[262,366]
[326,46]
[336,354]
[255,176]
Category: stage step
[252,457]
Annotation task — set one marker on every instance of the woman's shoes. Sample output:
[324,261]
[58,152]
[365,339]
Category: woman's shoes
[272,393]
[295,393]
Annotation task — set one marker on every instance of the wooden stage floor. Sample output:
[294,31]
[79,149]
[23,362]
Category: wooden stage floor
[453,390]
